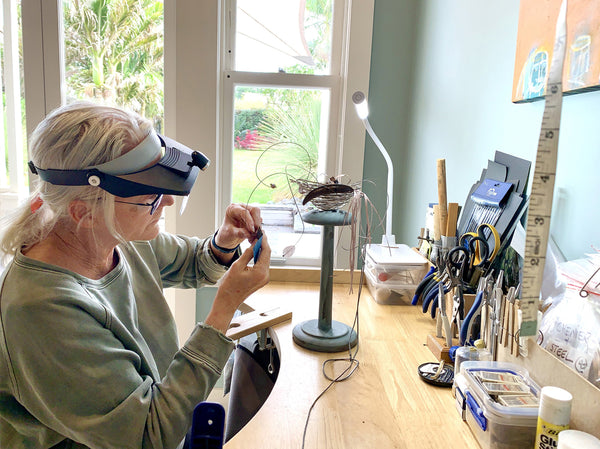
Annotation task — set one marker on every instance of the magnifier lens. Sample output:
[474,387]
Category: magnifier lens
[184,202]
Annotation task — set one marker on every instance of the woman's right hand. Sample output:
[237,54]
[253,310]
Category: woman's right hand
[237,284]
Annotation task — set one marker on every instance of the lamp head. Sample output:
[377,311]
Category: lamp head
[360,102]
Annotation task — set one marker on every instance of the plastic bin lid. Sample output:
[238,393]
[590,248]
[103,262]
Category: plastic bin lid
[493,410]
[395,255]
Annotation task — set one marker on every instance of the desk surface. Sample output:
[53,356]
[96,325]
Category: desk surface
[383,405]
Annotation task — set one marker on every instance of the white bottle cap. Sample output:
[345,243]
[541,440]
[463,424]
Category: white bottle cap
[555,406]
[575,439]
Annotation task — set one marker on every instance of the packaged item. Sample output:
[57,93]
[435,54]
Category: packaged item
[495,424]
[495,388]
[511,400]
[500,377]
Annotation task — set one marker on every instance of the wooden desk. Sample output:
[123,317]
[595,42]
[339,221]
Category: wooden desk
[383,405]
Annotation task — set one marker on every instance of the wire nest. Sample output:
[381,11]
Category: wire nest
[325,196]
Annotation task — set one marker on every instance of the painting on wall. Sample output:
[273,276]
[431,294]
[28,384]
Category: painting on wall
[535,42]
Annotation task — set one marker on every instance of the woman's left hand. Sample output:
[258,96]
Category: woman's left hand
[241,222]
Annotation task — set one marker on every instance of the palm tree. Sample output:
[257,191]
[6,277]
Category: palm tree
[114,52]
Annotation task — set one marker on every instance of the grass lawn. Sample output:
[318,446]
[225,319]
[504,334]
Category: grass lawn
[271,169]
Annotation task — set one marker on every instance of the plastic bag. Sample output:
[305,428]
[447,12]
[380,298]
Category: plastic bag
[569,331]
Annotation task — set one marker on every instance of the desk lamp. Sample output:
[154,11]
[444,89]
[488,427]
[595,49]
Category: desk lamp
[387,251]
[362,110]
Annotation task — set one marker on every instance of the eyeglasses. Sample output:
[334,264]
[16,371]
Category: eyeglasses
[153,205]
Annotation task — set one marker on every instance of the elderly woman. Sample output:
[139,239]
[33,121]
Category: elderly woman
[88,348]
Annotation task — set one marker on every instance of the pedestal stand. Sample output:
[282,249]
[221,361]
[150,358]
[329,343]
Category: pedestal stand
[325,335]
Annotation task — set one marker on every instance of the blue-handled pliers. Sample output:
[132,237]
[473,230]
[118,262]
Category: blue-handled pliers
[467,333]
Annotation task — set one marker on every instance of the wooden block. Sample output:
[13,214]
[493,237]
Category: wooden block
[438,347]
[249,323]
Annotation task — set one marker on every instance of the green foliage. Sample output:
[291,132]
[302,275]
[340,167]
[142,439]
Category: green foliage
[246,120]
[114,52]
[294,115]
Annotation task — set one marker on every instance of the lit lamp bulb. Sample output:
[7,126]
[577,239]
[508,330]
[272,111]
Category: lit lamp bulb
[362,110]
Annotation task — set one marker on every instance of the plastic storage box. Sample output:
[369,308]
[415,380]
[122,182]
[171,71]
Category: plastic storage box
[393,273]
[494,424]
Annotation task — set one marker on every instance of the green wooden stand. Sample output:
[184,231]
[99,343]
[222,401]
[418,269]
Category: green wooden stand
[324,334]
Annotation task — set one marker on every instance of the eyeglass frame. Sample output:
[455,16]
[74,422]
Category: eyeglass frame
[153,205]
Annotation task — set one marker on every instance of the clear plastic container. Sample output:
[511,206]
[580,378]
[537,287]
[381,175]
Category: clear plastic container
[393,273]
[498,426]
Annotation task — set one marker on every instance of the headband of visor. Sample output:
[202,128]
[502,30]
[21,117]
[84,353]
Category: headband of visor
[134,173]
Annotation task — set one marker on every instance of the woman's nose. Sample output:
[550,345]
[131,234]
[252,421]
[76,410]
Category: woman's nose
[168,200]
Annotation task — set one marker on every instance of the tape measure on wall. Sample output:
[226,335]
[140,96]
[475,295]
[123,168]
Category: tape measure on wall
[542,188]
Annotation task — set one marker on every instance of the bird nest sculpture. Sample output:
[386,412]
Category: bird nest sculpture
[326,196]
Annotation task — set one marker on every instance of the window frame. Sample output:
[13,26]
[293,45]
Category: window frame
[194,87]
[344,147]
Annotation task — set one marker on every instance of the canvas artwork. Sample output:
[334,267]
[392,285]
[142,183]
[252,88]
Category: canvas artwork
[535,42]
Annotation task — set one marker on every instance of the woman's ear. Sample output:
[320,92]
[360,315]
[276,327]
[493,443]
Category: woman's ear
[81,213]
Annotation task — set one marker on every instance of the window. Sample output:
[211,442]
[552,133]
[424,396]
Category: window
[114,54]
[282,71]
[12,131]
[202,86]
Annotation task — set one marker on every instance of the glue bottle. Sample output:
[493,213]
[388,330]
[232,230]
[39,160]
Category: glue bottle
[553,417]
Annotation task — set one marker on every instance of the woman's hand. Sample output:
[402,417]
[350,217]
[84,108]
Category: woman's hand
[240,223]
[239,282]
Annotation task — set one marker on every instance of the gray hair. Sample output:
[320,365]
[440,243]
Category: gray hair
[74,136]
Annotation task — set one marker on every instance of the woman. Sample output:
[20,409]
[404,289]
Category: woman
[88,346]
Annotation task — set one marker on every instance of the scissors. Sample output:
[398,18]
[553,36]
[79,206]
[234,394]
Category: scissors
[475,250]
[490,234]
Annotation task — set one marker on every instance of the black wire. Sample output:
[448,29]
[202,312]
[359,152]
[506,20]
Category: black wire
[353,362]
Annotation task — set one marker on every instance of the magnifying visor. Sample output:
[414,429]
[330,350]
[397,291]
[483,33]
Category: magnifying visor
[156,165]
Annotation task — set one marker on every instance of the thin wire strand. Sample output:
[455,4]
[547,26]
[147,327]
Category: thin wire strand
[353,361]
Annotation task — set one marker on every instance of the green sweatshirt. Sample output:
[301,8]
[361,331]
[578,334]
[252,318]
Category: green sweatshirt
[96,363]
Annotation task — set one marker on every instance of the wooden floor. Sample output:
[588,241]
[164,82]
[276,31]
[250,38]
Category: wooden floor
[383,405]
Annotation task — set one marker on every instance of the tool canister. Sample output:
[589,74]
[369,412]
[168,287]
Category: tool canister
[465,353]
[553,417]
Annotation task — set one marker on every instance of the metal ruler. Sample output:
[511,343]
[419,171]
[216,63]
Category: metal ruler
[542,188]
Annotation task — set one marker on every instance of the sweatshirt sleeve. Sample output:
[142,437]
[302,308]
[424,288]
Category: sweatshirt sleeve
[73,374]
[186,261]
